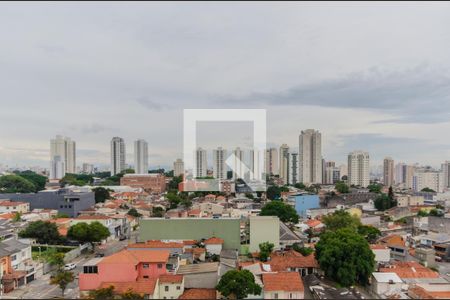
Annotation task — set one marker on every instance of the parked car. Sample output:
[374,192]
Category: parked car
[122,238]
[69,267]
[99,254]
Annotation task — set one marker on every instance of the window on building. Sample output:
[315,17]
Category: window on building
[145,266]
[145,276]
[90,269]
[70,206]
[14,207]
[275,296]
[13,257]
[61,206]
[166,288]
[160,266]
[178,287]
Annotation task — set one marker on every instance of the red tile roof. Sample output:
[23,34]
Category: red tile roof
[199,294]
[313,223]
[170,278]
[283,281]
[143,287]
[189,242]
[7,216]
[214,241]
[93,217]
[11,203]
[136,256]
[376,246]
[157,244]
[282,261]
[410,269]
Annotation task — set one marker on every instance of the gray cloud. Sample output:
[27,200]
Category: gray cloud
[420,94]
[152,105]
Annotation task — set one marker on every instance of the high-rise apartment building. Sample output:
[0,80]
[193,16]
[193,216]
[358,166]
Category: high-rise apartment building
[358,168]
[445,169]
[118,154]
[400,173]
[293,168]
[87,168]
[284,163]
[388,171]
[255,164]
[141,157]
[409,174]
[201,163]
[271,158]
[428,178]
[62,157]
[178,167]
[332,173]
[238,164]
[310,156]
[219,163]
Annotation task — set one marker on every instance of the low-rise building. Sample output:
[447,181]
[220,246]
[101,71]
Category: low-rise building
[170,286]
[214,245]
[385,284]
[283,285]
[7,206]
[152,183]
[205,275]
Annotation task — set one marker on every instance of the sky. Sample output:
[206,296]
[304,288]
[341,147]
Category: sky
[370,76]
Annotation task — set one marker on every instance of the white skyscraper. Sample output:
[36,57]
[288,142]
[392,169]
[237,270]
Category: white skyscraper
[271,158]
[219,163]
[141,157]
[388,171]
[178,167]
[310,156]
[400,173]
[88,168]
[445,169]
[358,168]
[238,164]
[255,165]
[62,154]
[117,155]
[428,178]
[284,163]
[200,163]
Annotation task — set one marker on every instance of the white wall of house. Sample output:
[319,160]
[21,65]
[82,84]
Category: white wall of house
[214,248]
[382,255]
[283,295]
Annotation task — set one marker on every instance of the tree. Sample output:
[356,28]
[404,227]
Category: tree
[131,295]
[284,212]
[305,251]
[102,294]
[238,284]
[17,217]
[345,256]
[427,189]
[134,213]
[370,233]
[61,215]
[374,188]
[157,212]
[186,203]
[391,193]
[436,212]
[341,219]
[54,258]
[173,184]
[62,279]
[422,213]
[173,199]
[383,202]
[43,232]
[265,249]
[101,194]
[16,184]
[39,181]
[341,187]
[273,192]
[299,185]
[89,233]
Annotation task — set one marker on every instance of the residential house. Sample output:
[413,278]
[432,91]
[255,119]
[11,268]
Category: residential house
[175,248]
[429,291]
[214,245]
[199,294]
[412,272]
[7,206]
[170,286]
[205,275]
[148,289]
[293,261]
[382,253]
[124,266]
[398,246]
[283,285]
[385,284]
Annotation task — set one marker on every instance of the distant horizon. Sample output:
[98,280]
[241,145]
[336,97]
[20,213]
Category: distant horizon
[98,70]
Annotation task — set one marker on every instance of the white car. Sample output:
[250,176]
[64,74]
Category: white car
[69,267]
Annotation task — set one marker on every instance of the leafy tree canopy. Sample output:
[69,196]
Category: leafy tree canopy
[134,213]
[16,184]
[341,219]
[383,202]
[39,181]
[62,279]
[238,284]
[284,212]
[427,189]
[101,194]
[90,233]
[375,188]
[341,187]
[102,294]
[43,232]
[265,249]
[345,256]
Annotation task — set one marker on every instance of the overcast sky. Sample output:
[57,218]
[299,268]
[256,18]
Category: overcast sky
[368,76]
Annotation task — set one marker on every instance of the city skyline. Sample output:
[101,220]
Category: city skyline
[381,90]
